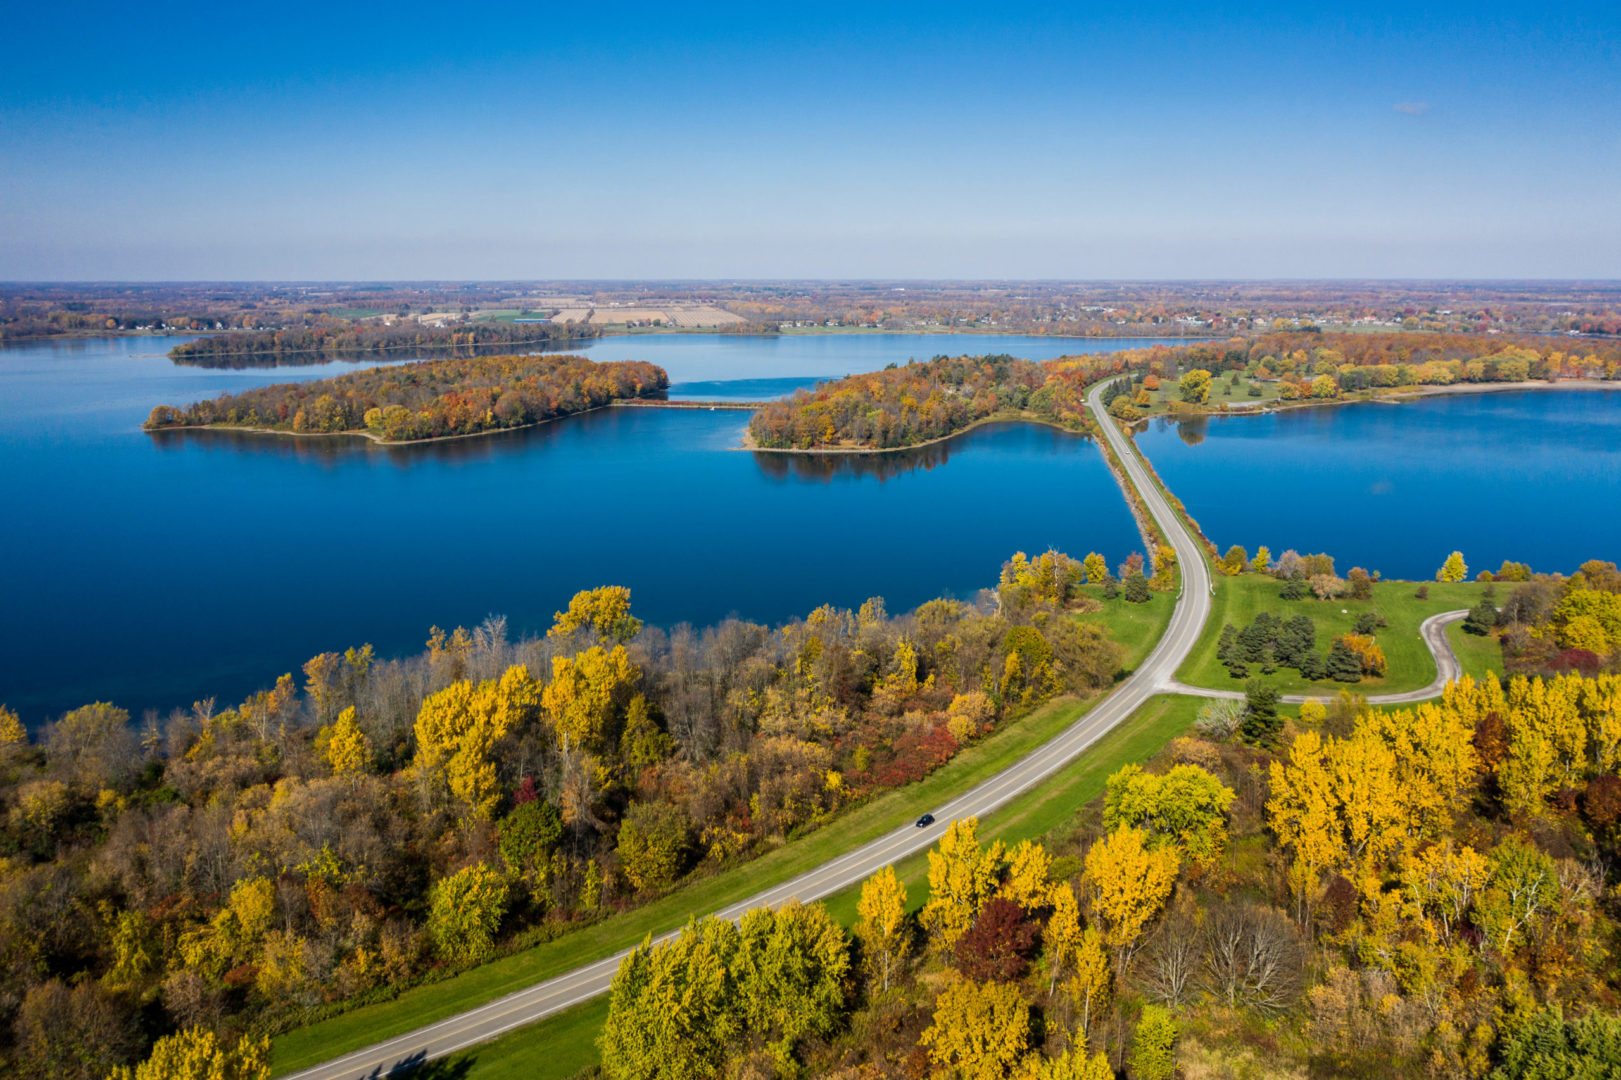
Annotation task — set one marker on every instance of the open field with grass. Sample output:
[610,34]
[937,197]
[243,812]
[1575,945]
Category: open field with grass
[424,1004]
[563,1045]
[1234,395]
[1137,627]
[1409,664]
[1477,655]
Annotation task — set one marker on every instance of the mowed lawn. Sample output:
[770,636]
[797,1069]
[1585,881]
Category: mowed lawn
[1409,665]
[424,1004]
[561,1046]
[1137,627]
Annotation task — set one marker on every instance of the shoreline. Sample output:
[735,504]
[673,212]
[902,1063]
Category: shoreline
[1393,397]
[995,418]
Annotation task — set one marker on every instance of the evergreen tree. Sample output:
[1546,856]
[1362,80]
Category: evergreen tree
[1481,618]
[1343,665]
[1137,589]
[1262,724]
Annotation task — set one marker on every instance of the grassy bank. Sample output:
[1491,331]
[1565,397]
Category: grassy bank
[561,1046]
[1409,663]
[1137,627]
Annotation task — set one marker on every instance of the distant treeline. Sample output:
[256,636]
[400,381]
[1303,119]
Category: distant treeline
[298,345]
[428,399]
[904,406]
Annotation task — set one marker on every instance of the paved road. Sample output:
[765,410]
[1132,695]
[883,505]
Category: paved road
[1434,632]
[1152,677]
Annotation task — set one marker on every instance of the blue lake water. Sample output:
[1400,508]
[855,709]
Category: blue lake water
[1532,476]
[152,570]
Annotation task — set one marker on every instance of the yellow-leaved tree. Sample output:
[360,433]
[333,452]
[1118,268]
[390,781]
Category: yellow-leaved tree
[1027,882]
[980,1030]
[1128,882]
[962,876]
[1093,982]
[457,730]
[1454,569]
[605,612]
[196,1053]
[345,746]
[586,694]
[883,929]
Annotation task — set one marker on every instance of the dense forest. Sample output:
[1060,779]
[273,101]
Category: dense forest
[1360,892]
[427,399]
[904,406]
[303,345]
[227,872]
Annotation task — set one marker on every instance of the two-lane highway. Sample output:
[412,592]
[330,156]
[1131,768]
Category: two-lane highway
[1153,676]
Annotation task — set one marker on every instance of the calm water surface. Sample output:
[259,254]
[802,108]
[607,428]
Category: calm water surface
[1533,476]
[153,570]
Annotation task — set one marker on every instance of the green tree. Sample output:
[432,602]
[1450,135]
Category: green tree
[654,839]
[789,974]
[1343,663]
[1137,591]
[1186,806]
[1546,1046]
[1482,618]
[1153,1046]
[672,1008]
[1261,726]
[1234,562]
[529,835]
[464,913]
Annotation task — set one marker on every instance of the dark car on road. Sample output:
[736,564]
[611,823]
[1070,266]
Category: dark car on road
[925,821]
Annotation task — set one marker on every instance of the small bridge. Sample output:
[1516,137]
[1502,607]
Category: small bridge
[654,403]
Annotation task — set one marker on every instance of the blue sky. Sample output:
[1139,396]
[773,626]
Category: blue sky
[305,141]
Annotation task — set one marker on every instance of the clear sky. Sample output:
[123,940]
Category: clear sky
[410,141]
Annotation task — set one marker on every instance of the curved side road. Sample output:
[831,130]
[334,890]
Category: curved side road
[1434,632]
[1152,677]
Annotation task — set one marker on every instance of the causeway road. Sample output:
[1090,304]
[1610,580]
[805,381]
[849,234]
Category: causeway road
[1154,676]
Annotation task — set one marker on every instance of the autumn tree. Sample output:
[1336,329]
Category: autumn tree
[884,928]
[980,1031]
[1453,569]
[962,876]
[604,612]
[458,728]
[1096,568]
[197,1054]
[654,839]
[1194,386]
[1153,1046]
[345,746]
[1128,882]
[586,693]
[1185,806]
[788,974]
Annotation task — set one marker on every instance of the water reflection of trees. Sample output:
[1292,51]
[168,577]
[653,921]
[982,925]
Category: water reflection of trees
[823,468]
[1191,428]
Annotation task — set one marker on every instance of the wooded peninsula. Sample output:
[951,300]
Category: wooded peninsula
[920,402]
[429,399]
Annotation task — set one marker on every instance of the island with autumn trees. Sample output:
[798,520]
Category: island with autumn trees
[331,341]
[428,399]
[917,403]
